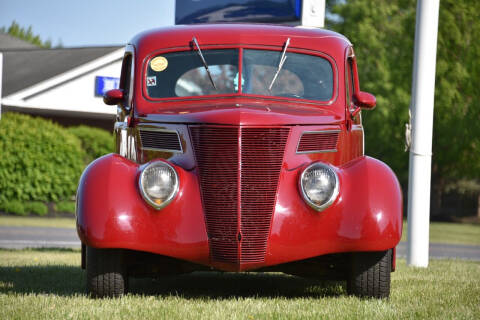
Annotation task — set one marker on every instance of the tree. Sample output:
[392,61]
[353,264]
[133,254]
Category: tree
[383,34]
[17,31]
[456,144]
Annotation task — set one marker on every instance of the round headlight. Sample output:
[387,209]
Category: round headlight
[158,184]
[319,185]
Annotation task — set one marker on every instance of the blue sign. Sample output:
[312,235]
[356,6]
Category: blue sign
[103,84]
[207,11]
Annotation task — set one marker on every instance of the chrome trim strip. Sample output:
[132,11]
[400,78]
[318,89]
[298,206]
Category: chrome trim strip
[140,129]
[363,142]
[125,142]
[360,128]
[316,151]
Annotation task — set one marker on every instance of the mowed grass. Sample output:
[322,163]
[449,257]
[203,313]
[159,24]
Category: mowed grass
[12,221]
[49,284]
[451,233]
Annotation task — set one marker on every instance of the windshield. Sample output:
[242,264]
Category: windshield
[183,74]
[301,76]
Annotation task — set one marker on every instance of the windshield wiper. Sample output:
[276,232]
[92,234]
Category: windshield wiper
[280,64]
[203,61]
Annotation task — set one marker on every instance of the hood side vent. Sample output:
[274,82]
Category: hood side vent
[318,141]
[160,140]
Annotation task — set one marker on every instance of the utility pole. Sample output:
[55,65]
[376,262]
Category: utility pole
[423,89]
[1,74]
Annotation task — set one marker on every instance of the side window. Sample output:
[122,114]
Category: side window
[126,74]
[349,83]
[351,70]
[351,78]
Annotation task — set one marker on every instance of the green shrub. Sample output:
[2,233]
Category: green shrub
[14,206]
[65,206]
[96,142]
[40,160]
[36,207]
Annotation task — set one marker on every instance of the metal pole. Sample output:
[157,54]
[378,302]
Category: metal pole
[1,74]
[423,88]
[313,13]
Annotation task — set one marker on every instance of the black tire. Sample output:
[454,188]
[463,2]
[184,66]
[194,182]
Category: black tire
[369,275]
[106,273]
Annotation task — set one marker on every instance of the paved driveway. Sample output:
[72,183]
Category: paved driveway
[38,237]
[42,237]
[443,251]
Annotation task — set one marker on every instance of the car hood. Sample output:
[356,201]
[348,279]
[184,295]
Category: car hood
[245,114]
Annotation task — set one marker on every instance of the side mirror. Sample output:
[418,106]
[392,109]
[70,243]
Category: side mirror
[364,100]
[113,97]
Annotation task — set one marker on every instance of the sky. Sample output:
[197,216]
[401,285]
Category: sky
[87,22]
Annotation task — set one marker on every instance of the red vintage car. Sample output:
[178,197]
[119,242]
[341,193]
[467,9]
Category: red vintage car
[239,148]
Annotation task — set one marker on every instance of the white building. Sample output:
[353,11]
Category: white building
[63,84]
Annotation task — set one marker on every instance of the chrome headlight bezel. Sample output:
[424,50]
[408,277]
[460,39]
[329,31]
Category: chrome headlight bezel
[334,194]
[144,194]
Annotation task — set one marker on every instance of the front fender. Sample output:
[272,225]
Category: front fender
[366,216]
[371,205]
[112,214]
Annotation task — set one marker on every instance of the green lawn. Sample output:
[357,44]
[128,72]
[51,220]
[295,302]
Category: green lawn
[49,284]
[452,233]
[13,221]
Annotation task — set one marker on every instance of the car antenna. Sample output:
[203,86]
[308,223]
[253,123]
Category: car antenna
[280,64]
[203,61]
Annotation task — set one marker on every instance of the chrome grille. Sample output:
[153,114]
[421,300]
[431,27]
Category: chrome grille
[262,157]
[216,151]
[239,170]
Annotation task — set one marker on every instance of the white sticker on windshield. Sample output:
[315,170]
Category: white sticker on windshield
[151,81]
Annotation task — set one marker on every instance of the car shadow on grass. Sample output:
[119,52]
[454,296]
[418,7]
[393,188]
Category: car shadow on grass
[51,279]
[218,285]
[70,280]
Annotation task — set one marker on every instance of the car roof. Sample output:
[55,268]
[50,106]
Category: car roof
[180,36]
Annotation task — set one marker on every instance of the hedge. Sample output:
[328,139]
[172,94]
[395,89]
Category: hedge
[40,160]
[14,206]
[96,142]
[65,207]
[36,207]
